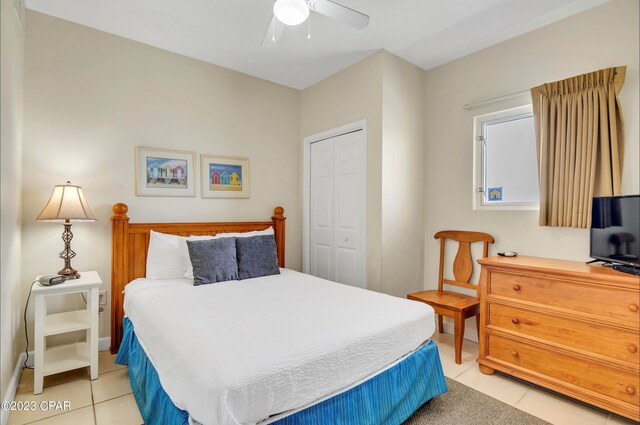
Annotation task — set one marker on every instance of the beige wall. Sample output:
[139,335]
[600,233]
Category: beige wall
[602,37]
[389,93]
[402,176]
[343,98]
[11,286]
[91,97]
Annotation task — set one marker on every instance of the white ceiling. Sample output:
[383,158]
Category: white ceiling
[228,33]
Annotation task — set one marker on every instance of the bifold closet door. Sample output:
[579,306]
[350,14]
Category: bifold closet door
[337,209]
[321,209]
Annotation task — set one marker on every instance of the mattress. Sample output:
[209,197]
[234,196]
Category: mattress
[240,352]
[388,398]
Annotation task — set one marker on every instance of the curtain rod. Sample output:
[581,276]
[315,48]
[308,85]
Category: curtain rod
[470,106]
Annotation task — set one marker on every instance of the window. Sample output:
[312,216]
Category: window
[505,164]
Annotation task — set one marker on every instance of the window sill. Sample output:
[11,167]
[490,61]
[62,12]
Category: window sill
[507,207]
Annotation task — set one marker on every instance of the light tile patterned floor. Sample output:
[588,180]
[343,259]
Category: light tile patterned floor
[105,401]
[108,400]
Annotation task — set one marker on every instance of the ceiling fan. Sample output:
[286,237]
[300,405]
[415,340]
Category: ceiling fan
[295,12]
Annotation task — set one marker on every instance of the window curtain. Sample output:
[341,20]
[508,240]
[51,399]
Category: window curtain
[579,140]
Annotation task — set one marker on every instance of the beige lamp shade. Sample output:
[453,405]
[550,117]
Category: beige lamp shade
[67,202]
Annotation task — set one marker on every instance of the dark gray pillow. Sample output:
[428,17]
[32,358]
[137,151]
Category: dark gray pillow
[213,260]
[257,256]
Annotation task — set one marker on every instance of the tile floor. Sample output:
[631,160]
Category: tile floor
[108,400]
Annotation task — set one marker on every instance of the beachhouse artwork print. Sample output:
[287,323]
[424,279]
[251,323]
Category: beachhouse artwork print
[162,172]
[224,177]
[166,173]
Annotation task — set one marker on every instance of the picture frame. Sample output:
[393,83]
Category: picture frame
[224,176]
[165,172]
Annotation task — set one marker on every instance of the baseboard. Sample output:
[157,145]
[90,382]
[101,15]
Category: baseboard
[470,332]
[103,344]
[11,390]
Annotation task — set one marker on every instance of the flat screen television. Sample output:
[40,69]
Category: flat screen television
[615,230]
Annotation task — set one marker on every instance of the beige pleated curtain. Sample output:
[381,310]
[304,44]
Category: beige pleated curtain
[579,141]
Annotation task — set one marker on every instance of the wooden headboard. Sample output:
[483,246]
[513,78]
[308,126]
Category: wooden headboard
[130,241]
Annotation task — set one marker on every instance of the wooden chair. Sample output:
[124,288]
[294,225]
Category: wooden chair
[452,304]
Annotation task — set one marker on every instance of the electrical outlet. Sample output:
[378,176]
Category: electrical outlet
[102,297]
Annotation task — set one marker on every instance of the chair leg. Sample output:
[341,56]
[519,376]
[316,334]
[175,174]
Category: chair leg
[458,335]
[440,324]
[478,326]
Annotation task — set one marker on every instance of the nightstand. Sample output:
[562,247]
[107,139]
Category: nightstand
[70,356]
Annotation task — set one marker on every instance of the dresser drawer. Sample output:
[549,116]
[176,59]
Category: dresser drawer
[582,373]
[615,303]
[600,339]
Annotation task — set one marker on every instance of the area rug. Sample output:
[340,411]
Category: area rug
[462,405]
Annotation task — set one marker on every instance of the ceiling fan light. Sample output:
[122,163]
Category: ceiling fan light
[291,12]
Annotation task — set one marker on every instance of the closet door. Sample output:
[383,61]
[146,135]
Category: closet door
[337,209]
[349,209]
[321,210]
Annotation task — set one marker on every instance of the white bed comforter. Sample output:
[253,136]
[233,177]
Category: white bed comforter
[238,352]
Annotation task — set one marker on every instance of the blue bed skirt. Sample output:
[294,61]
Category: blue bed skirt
[388,398]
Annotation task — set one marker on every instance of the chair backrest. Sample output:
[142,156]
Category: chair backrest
[463,263]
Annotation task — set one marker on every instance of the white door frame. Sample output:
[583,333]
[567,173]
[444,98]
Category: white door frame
[306,183]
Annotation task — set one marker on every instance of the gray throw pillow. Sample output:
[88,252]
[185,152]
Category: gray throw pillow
[257,256]
[213,260]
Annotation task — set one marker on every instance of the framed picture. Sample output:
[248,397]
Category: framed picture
[165,172]
[224,176]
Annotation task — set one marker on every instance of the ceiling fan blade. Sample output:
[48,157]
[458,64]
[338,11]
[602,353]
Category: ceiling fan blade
[340,13]
[273,33]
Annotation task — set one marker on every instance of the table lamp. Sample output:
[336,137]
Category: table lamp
[67,204]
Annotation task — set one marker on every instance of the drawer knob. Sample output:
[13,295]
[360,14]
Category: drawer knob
[632,348]
[631,390]
[516,287]
[633,307]
[515,354]
[515,321]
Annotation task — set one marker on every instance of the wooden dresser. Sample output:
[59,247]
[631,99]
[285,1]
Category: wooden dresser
[563,325]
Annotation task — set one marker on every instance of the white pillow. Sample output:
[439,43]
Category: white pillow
[168,255]
[268,231]
[264,232]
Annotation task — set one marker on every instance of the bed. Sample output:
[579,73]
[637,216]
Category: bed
[286,349]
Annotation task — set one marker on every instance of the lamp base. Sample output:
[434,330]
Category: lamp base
[69,273]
